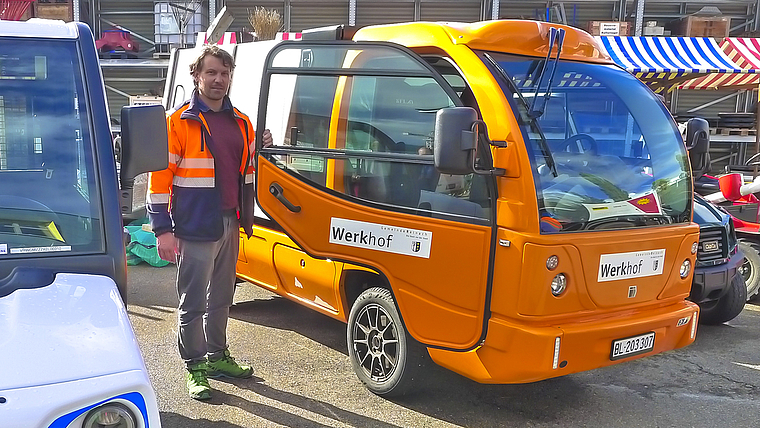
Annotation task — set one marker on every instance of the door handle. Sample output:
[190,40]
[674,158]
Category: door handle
[276,191]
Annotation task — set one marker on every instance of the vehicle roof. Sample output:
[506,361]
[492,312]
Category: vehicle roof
[35,27]
[520,37]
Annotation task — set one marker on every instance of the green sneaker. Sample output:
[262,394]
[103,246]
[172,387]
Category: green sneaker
[197,381]
[226,366]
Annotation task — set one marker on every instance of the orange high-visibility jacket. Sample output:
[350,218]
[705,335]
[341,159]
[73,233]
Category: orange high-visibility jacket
[184,198]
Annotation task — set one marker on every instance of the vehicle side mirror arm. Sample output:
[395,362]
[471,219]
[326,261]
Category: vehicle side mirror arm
[466,137]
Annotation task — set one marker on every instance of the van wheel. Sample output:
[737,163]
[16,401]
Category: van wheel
[750,269]
[384,357]
[729,306]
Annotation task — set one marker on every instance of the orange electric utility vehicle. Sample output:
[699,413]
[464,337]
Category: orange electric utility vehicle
[499,195]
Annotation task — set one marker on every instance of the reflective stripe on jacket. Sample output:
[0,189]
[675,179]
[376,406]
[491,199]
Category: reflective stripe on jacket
[183,198]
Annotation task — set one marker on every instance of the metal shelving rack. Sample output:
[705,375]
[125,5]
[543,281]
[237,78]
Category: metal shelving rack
[143,75]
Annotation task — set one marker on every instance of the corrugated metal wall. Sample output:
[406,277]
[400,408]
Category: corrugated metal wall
[692,98]
[458,11]
[303,14]
[578,14]
[133,81]
[522,10]
[241,10]
[383,12]
[138,17]
[312,14]
[135,15]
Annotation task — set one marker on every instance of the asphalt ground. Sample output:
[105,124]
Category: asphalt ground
[303,377]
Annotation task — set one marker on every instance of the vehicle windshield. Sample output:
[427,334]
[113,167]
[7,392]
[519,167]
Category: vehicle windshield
[605,153]
[49,204]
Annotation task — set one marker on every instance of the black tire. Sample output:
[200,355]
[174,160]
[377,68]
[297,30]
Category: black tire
[384,357]
[750,269]
[729,306]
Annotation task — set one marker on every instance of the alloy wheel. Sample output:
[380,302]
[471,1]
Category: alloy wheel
[376,343]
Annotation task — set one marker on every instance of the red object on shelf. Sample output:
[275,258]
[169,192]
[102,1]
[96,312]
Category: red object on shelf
[116,39]
[13,10]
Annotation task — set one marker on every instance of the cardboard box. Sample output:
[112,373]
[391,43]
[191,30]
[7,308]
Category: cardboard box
[608,28]
[702,26]
[62,11]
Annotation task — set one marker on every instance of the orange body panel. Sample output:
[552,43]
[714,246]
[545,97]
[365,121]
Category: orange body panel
[259,263]
[312,280]
[579,256]
[529,38]
[516,353]
[441,297]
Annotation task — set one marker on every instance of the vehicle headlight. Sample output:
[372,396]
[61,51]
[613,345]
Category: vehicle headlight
[559,284]
[694,248]
[110,415]
[685,268]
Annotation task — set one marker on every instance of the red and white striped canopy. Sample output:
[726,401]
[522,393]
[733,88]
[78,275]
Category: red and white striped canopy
[743,51]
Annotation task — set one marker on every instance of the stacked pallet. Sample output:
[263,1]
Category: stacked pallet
[741,124]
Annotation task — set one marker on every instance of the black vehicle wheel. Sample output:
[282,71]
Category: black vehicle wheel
[750,269]
[384,357]
[727,307]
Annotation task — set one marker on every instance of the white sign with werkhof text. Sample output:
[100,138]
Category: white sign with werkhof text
[381,237]
[636,264]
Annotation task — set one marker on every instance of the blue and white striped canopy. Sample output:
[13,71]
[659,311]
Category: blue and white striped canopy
[679,55]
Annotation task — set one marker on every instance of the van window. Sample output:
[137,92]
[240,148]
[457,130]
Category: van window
[298,115]
[397,115]
[368,137]
[605,152]
[48,194]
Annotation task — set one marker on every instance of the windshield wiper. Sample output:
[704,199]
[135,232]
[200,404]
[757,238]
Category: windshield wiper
[526,117]
[538,106]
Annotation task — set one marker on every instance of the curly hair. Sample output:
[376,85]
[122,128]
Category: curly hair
[210,50]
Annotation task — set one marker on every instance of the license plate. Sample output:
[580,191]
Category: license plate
[631,346]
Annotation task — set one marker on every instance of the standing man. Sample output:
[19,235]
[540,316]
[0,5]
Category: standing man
[209,182]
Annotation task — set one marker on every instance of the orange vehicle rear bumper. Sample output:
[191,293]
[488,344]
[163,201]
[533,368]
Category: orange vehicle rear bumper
[515,353]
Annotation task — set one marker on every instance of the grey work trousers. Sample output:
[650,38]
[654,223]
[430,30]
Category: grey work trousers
[205,287]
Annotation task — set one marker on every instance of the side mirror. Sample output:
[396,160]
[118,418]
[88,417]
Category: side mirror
[144,146]
[455,141]
[730,186]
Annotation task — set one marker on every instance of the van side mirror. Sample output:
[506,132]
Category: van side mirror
[455,141]
[698,145]
[144,146]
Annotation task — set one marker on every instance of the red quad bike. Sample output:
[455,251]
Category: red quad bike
[738,199]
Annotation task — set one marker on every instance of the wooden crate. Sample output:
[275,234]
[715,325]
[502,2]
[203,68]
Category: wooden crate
[703,26]
[62,11]
[608,28]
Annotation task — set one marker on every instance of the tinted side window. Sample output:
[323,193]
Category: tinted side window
[367,136]
[397,115]
[48,191]
[298,115]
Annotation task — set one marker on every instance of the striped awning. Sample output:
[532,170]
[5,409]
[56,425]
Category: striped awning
[664,62]
[744,52]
